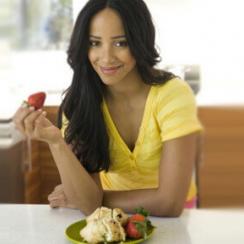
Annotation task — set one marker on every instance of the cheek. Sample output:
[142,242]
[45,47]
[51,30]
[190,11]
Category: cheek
[91,56]
[130,61]
[128,58]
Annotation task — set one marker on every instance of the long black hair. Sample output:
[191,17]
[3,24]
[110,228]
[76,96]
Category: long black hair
[86,131]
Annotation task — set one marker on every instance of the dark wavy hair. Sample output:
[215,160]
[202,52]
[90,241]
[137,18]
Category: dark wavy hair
[86,131]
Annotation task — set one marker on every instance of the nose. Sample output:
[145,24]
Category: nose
[107,54]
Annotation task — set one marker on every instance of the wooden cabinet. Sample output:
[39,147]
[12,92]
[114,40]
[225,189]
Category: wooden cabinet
[44,176]
[32,179]
[49,173]
[220,172]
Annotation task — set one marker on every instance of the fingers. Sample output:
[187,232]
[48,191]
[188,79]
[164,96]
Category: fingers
[61,204]
[41,119]
[29,122]
[57,194]
[24,119]
[46,131]
[19,117]
[43,128]
[59,188]
[54,204]
[58,198]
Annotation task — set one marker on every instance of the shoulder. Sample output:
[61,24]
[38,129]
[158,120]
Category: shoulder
[174,91]
[175,109]
[171,86]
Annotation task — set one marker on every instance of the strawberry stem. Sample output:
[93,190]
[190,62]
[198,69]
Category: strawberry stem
[142,211]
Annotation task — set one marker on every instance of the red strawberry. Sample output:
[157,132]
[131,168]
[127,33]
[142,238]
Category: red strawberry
[137,217]
[136,226]
[37,99]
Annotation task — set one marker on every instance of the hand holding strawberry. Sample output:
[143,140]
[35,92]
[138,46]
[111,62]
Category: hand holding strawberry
[138,225]
[31,120]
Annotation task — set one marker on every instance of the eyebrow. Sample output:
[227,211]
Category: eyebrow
[114,37]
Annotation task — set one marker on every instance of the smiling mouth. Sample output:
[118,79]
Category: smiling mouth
[110,70]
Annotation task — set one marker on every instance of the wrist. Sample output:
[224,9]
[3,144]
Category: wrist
[58,143]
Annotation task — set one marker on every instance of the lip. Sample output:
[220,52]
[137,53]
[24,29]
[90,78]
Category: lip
[110,70]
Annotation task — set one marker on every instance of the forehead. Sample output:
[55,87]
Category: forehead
[107,22]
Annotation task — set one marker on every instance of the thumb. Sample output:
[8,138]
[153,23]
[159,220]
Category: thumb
[43,133]
[46,131]
[42,129]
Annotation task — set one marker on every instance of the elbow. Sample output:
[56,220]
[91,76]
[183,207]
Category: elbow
[171,209]
[170,213]
[175,212]
[91,204]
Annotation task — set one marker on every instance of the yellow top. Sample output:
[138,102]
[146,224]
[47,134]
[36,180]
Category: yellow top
[170,112]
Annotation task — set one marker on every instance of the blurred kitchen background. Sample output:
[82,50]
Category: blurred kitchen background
[199,40]
[203,39]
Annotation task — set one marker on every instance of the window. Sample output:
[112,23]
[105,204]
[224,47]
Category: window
[34,36]
[36,25]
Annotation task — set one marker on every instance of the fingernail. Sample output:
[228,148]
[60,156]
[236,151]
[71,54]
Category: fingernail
[31,108]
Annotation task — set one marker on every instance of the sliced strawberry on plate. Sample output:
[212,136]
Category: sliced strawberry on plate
[136,229]
[37,99]
[138,225]
[137,217]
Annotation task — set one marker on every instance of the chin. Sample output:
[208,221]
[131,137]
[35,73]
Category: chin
[110,81]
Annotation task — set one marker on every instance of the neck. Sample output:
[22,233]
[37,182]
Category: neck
[126,89]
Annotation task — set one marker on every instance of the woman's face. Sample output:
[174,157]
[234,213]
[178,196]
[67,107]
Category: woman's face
[109,52]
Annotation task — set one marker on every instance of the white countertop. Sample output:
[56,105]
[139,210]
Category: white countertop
[39,224]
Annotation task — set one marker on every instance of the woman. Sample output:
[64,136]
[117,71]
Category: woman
[129,130]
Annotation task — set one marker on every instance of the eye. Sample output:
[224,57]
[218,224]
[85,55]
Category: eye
[93,43]
[121,44]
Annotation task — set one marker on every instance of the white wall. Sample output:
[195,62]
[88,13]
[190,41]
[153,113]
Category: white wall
[205,32]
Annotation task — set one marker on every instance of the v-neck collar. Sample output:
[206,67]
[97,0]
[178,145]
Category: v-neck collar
[115,133]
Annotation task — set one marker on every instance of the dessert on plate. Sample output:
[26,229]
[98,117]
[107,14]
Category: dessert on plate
[105,225]
[114,225]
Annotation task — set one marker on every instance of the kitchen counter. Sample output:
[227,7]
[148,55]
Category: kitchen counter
[34,224]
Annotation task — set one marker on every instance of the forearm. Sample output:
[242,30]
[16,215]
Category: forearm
[151,199]
[79,187]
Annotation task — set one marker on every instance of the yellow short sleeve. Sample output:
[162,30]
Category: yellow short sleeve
[177,110]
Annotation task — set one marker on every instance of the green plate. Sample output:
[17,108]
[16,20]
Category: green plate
[73,234]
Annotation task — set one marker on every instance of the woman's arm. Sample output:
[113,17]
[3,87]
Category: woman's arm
[179,156]
[78,185]
[175,172]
